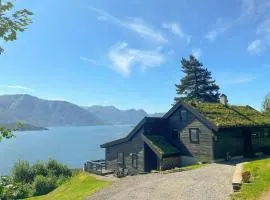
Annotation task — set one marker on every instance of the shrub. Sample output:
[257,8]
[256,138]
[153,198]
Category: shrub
[22,172]
[57,169]
[246,176]
[16,192]
[5,180]
[22,191]
[62,179]
[43,185]
[39,168]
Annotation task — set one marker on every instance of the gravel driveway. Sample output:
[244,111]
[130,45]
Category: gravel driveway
[210,182]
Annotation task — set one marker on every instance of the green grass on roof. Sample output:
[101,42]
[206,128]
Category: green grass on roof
[232,116]
[161,145]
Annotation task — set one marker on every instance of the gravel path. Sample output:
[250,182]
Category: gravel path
[206,183]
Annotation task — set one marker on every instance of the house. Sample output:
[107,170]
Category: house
[189,133]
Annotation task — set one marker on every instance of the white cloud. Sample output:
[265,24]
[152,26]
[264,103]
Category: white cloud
[176,30]
[171,52]
[243,79]
[264,28]
[253,10]
[17,87]
[136,25]
[257,12]
[124,58]
[262,43]
[256,47]
[94,62]
[220,27]
[196,52]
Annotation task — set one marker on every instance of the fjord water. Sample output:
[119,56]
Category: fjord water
[69,145]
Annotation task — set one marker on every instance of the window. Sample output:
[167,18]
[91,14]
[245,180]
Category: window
[257,137]
[194,135]
[174,134]
[134,161]
[183,115]
[120,159]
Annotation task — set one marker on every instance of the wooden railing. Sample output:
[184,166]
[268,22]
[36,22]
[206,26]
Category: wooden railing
[95,166]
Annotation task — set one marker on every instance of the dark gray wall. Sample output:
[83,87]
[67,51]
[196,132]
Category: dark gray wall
[231,140]
[135,145]
[202,151]
[228,140]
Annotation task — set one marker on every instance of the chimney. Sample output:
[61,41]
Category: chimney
[223,99]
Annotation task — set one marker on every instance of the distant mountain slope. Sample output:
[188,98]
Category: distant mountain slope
[23,127]
[41,112]
[156,115]
[113,115]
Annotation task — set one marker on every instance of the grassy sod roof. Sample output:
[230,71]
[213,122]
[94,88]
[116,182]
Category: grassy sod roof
[232,116]
[160,145]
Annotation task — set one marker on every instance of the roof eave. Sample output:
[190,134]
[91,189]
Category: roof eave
[127,138]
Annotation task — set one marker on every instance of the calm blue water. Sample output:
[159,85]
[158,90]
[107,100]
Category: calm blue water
[70,145]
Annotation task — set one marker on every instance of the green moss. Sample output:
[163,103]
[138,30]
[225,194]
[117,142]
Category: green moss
[161,145]
[232,116]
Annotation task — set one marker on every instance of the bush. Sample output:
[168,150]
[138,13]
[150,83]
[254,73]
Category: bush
[62,179]
[246,176]
[22,172]
[16,192]
[57,169]
[38,179]
[39,168]
[43,185]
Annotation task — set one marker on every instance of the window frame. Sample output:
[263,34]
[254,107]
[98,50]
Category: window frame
[197,136]
[186,115]
[134,160]
[122,160]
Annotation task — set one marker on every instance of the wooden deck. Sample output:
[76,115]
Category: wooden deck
[96,167]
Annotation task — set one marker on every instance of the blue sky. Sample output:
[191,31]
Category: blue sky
[127,53]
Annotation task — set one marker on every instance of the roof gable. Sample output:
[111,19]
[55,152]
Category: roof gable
[193,110]
[217,115]
[133,132]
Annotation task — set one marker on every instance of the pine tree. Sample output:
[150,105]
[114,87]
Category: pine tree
[197,84]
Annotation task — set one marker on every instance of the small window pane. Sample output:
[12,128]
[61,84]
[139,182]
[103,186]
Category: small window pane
[183,115]
[194,135]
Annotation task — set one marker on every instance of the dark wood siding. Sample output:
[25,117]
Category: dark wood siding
[228,140]
[134,146]
[202,151]
[231,141]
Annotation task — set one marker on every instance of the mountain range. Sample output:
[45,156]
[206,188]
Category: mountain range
[41,112]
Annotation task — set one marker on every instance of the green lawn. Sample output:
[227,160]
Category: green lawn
[260,170]
[79,187]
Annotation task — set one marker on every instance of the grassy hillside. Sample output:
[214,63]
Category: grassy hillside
[260,171]
[79,187]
